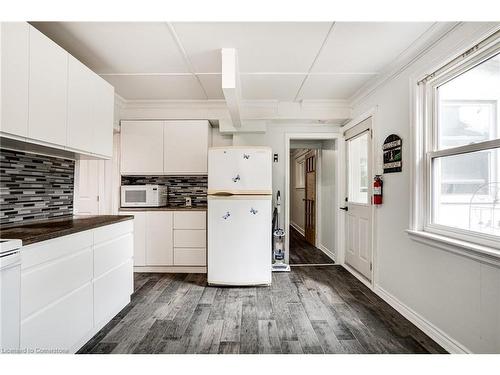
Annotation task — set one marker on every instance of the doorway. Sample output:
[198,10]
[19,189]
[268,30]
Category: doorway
[311,208]
[358,207]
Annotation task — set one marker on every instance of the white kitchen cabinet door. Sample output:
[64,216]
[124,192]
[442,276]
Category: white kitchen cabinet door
[240,170]
[139,236]
[186,147]
[141,147]
[48,84]
[159,241]
[80,97]
[103,103]
[15,70]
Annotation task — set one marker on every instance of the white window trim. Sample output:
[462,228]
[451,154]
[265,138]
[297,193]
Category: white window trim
[478,246]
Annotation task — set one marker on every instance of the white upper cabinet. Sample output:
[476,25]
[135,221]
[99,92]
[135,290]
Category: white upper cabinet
[80,97]
[48,83]
[14,78]
[103,105]
[164,147]
[142,147]
[186,147]
[49,97]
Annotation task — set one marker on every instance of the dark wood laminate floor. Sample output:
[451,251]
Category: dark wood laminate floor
[302,252]
[309,310]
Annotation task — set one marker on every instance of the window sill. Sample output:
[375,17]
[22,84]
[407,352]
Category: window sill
[470,250]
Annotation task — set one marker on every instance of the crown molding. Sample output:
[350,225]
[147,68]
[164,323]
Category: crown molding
[427,40]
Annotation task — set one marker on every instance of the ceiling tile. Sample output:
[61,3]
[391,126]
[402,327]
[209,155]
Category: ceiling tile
[270,87]
[212,83]
[326,87]
[184,87]
[261,46]
[358,47]
[118,47]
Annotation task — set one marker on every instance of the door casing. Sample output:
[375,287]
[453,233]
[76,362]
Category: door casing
[320,137]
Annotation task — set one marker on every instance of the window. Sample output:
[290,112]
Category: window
[299,173]
[357,160]
[461,122]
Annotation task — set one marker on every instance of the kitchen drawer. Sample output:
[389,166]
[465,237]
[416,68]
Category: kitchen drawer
[54,249]
[112,292]
[110,254]
[111,232]
[43,285]
[190,220]
[185,256]
[190,238]
[61,325]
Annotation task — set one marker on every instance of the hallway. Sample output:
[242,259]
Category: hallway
[303,253]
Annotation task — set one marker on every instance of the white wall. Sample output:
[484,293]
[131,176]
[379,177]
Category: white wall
[275,138]
[457,295]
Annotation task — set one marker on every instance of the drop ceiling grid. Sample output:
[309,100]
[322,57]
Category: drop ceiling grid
[186,56]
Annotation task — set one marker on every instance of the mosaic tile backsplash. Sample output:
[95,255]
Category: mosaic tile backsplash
[34,187]
[179,187]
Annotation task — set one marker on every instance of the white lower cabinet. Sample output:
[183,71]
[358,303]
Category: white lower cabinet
[159,249]
[112,292]
[72,285]
[169,238]
[61,325]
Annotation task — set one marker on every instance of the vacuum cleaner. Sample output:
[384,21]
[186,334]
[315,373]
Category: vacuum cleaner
[278,240]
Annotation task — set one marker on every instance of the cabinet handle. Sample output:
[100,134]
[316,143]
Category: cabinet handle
[246,156]
[226,216]
[253,211]
[237,178]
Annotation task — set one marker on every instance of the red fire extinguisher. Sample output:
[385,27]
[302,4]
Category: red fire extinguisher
[377,189]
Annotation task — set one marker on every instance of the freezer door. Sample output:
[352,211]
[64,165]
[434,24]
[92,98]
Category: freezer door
[239,170]
[239,240]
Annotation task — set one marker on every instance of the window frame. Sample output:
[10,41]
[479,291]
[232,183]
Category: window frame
[427,116]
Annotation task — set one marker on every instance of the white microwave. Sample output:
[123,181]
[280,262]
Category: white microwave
[143,195]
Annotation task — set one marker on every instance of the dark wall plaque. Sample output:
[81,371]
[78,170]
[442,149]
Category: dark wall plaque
[393,154]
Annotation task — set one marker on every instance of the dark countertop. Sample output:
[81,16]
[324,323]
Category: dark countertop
[166,208]
[53,228]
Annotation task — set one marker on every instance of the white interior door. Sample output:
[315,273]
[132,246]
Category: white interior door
[88,187]
[358,207]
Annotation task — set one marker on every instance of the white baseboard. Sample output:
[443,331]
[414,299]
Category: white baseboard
[448,343]
[423,324]
[330,254]
[171,269]
[297,228]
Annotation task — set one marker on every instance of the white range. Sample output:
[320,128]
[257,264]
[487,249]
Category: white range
[239,215]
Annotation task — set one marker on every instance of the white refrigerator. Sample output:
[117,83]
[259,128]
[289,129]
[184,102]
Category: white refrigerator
[239,215]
